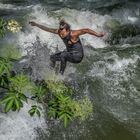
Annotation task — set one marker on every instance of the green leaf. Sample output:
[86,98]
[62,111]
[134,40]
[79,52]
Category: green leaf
[9,105]
[21,104]
[38,113]
[23,97]
[34,106]
[6,99]
[34,110]
[52,113]
[19,82]
[31,111]
[65,121]
[39,91]
[60,114]
[5,66]
[1,68]
[2,27]
[17,103]
[66,117]
[4,81]
[14,108]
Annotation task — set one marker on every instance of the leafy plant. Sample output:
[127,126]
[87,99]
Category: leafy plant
[82,108]
[19,82]
[13,101]
[15,86]
[14,96]
[63,107]
[39,92]
[5,66]
[4,80]
[35,110]
[3,24]
[59,107]
[58,87]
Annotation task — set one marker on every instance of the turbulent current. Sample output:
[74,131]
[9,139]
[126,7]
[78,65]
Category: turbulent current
[109,73]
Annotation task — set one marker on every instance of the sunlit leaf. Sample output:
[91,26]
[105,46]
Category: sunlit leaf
[6,99]
[23,97]
[17,103]
[19,82]
[65,121]
[9,105]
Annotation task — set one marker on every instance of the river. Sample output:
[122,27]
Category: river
[109,73]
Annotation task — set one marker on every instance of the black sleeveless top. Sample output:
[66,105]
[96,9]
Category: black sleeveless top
[72,46]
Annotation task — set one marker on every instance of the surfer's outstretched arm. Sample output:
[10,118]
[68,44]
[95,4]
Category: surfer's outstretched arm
[88,31]
[51,30]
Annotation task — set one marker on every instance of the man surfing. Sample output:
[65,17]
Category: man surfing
[74,52]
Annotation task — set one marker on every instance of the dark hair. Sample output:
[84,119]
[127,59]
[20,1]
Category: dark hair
[63,24]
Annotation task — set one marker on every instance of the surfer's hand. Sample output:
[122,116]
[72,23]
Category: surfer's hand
[32,23]
[102,34]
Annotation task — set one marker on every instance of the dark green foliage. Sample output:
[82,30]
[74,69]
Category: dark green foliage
[39,92]
[13,101]
[2,27]
[35,110]
[60,107]
[60,103]
[16,86]
[5,66]
[4,80]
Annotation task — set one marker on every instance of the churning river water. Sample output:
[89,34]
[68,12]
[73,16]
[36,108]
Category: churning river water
[109,73]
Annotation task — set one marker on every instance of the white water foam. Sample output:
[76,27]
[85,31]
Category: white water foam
[77,20]
[121,64]
[114,76]
[13,7]
[20,126]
